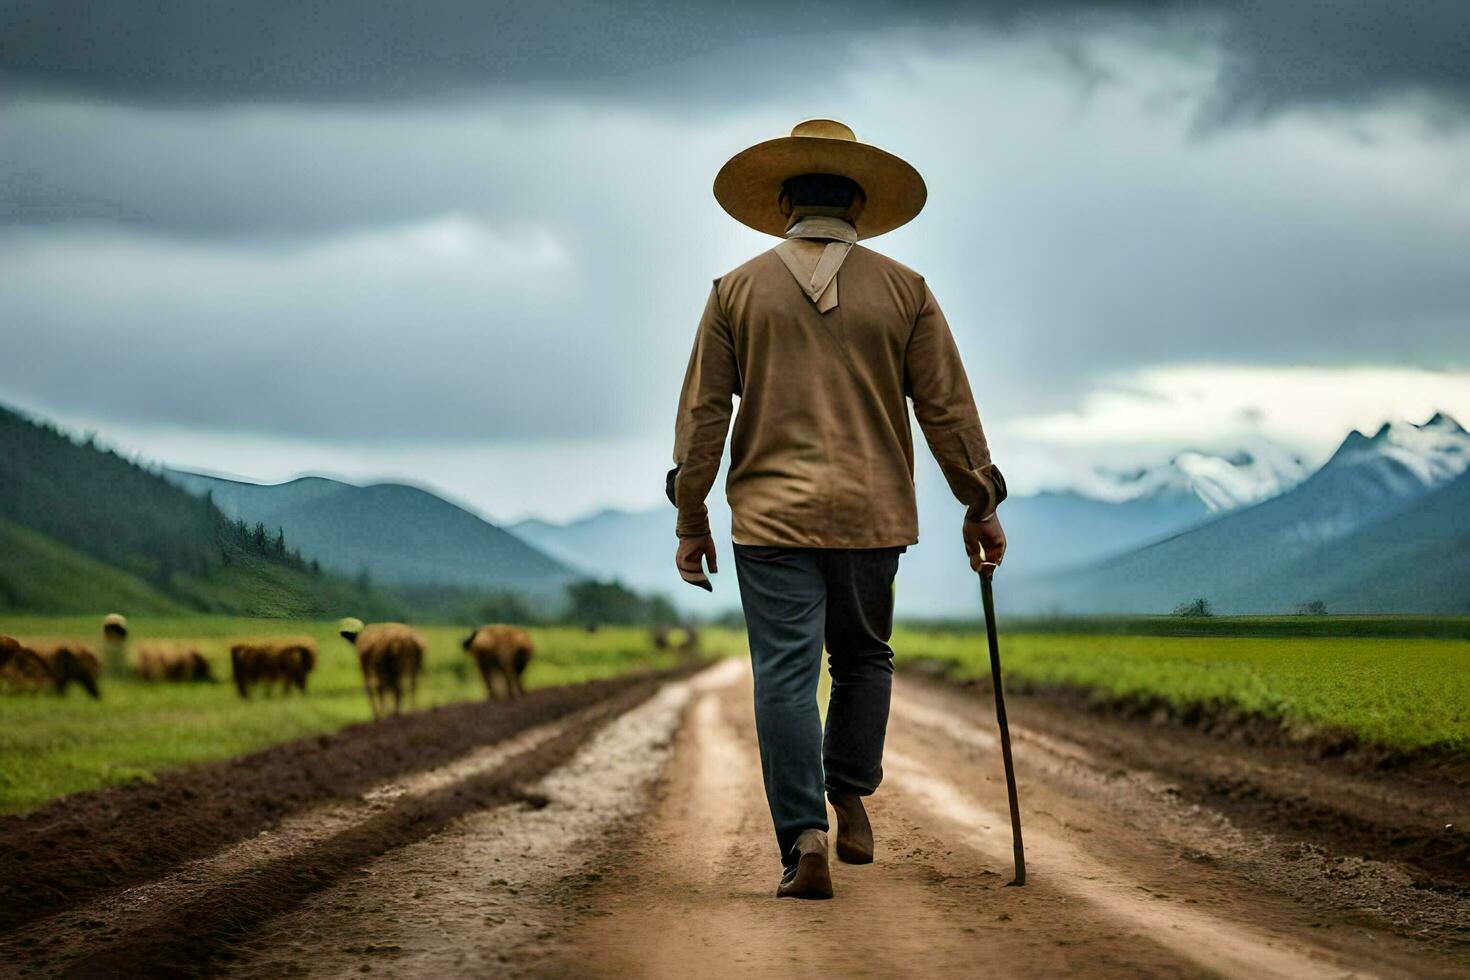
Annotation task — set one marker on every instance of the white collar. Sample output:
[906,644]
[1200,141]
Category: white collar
[820,283]
[823,228]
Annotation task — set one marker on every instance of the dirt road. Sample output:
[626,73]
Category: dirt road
[625,834]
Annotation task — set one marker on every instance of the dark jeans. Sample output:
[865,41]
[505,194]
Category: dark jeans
[795,599]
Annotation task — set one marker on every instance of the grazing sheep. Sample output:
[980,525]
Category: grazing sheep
[73,662]
[115,626]
[114,639]
[502,651]
[391,656]
[56,666]
[172,663]
[21,668]
[287,662]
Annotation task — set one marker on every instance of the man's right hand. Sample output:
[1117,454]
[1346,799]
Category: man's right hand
[687,559]
[985,543]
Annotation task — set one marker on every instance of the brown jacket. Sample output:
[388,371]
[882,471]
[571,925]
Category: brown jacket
[822,455]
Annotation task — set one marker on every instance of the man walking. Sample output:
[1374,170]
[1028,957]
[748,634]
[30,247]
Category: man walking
[823,340]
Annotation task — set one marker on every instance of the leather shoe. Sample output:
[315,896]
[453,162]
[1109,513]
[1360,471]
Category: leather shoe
[810,876]
[854,833]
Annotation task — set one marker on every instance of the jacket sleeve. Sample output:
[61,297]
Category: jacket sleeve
[935,379]
[705,407]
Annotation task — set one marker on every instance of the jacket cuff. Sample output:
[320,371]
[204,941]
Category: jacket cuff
[994,483]
[693,524]
[693,521]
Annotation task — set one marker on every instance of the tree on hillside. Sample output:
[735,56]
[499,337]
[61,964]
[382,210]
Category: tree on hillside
[591,603]
[507,607]
[1194,609]
[660,611]
[126,512]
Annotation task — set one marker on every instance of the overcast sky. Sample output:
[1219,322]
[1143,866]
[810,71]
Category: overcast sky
[467,244]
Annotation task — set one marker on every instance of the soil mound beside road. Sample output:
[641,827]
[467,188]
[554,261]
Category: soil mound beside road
[89,842]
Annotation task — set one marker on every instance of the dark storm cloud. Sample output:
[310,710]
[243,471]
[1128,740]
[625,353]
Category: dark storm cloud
[1279,54]
[340,221]
[347,50]
[1275,54]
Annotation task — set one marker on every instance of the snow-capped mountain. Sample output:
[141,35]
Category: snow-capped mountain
[1369,476]
[1253,473]
[1251,531]
[1289,548]
[1425,455]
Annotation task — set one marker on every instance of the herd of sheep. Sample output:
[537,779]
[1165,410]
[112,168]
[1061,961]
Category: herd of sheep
[390,655]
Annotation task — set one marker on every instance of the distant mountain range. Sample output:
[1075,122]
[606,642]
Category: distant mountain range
[402,535]
[1382,526]
[1252,531]
[84,530]
[1108,512]
[1250,474]
[1368,532]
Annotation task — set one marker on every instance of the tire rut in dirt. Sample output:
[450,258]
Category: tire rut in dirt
[187,940]
[1353,805]
[1346,845]
[89,843]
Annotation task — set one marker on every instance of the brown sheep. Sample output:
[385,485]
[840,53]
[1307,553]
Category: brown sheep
[73,662]
[21,668]
[287,662]
[502,651]
[391,656]
[172,663]
[57,666]
[10,648]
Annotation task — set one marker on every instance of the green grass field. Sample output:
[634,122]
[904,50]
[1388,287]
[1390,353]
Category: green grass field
[1406,694]
[1285,627]
[51,746]
[1403,693]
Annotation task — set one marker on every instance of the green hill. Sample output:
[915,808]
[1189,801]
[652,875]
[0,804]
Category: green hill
[404,536]
[95,531]
[40,575]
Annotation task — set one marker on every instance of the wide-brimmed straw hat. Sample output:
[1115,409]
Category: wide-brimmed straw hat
[748,186]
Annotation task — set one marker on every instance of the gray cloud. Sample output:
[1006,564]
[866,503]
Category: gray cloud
[526,262]
[178,51]
[1342,53]
[280,50]
[371,272]
[446,328]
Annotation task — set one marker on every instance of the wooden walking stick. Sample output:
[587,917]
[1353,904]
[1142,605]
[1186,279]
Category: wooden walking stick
[988,598]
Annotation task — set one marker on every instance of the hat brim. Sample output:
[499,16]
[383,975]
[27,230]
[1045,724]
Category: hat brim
[748,186]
